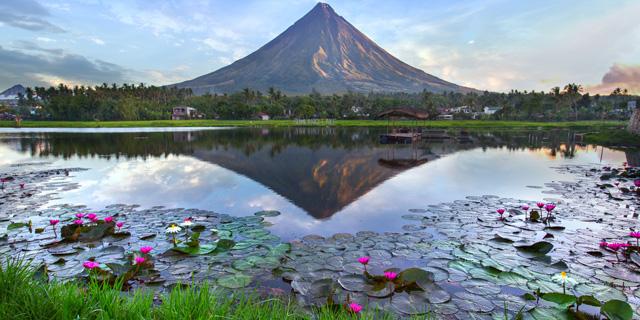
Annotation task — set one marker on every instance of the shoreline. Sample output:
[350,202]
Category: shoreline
[318,123]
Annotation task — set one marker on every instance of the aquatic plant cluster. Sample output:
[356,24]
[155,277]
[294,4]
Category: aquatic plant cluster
[543,261]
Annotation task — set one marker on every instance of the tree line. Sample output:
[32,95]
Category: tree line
[141,102]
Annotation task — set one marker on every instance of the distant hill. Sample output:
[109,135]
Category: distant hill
[321,51]
[12,93]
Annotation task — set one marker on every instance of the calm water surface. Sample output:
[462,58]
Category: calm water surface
[323,180]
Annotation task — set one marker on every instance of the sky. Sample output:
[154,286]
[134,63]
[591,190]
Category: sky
[495,45]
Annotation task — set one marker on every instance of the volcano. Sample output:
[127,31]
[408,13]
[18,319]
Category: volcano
[323,52]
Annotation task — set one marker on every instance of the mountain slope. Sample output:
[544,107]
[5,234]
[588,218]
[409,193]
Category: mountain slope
[321,51]
[12,93]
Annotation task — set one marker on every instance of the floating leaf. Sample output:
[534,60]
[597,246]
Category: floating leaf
[540,247]
[199,250]
[234,281]
[617,310]
[17,225]
[562,300]
[267,213]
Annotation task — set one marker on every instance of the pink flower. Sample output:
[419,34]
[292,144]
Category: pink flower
[603,244]
[78,222]
[79,215]
[500,211]
[637,183]
[616,246]
[119,224]
[634,234]
[354,307]
[525,207]
[138,260]
[91,216]
[549,207]
[53,222]
[108,219]
[364,260]
[145,249]
[540,204]
[90,264]
[390,275]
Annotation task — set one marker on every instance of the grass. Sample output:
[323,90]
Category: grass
[614,138]
[289,123]
[25,295]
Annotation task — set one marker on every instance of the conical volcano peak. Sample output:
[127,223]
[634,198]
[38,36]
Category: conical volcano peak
[323,52]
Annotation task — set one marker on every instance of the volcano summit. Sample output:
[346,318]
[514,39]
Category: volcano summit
[322,51]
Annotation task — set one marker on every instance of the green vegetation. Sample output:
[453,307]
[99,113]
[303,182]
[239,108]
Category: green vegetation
[25,294]
[289,123]
[614,138]
[140,102]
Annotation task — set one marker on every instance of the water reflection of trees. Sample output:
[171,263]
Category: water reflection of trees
[251,140]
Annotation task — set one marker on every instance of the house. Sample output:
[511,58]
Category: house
[185,113]
[263,116]
[445,117]
[491,110]
[461,109]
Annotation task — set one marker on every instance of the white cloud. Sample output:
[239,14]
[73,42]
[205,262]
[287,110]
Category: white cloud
[45,39]
[98,41]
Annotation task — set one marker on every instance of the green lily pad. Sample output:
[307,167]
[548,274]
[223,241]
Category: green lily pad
[267,213]
[562,300]
[17,225]
[538,248]
[199,250]
[235,281]
[617,310]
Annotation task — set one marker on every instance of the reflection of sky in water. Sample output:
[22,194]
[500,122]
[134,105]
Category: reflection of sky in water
[184,181]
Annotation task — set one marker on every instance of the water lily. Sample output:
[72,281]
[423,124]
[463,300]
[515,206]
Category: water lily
[526,211]
[390,275]
[53,223]
[563,279]
[90,264]
[173,229]
[186,223]
[119,224]
[108,219]
[635,234]
[540,205]
[354,307]
[22,185]
[549,207]
[78,222]
[79,215]
[501,212]
[603,244]
[91,216]
[364,261]
[146,249]
[138,260]
[637,183]
[617,246]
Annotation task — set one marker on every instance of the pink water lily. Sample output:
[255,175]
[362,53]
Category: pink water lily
[108,219]
[138,260]
[549,207]
[79,215]
[364,260]
[146,249]
[90,264]
[637,183]
[354,307]
[119,225]
[635,234]
[603,244]
[617,246]
[540,205]
[78,222]
[390,275]
[91,216]
[53,222]
[501,212]
[525,207]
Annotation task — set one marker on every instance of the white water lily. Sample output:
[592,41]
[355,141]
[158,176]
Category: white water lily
[173,229]
[563,279]
[187,223]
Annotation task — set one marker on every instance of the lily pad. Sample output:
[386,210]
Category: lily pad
[199,250]
[235,281]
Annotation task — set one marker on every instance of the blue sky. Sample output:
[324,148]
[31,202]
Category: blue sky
[486,44]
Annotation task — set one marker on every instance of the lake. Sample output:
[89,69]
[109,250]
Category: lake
[293,209]
[323,180]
